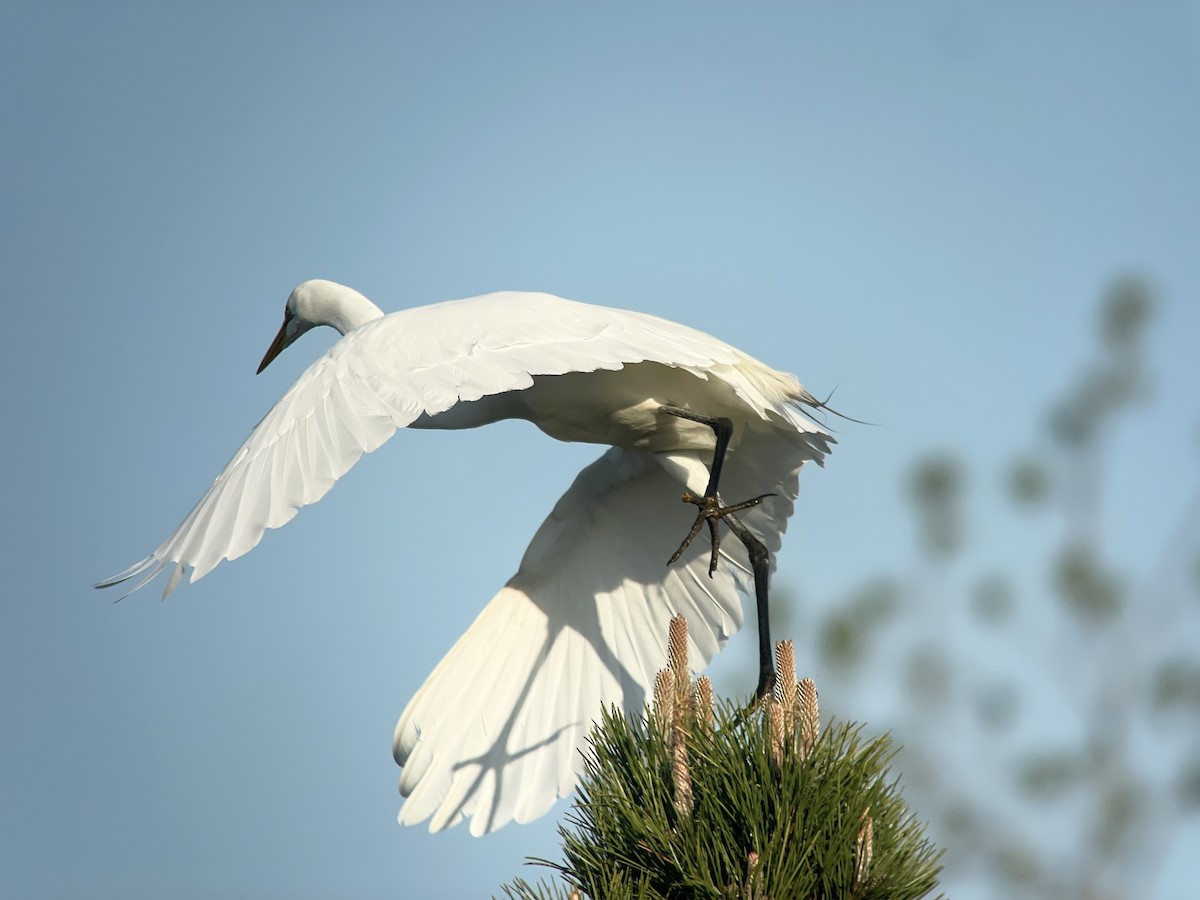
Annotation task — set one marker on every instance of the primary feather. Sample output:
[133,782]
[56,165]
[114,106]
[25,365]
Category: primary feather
[494,732]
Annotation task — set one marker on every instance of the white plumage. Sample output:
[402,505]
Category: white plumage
[494,732]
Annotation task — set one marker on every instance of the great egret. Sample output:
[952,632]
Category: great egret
[494,733]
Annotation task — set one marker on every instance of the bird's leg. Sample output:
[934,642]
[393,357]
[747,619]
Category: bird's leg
[760,563]
[711,511]
[722,430]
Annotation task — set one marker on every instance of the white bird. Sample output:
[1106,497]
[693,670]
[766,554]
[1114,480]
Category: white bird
[495,731]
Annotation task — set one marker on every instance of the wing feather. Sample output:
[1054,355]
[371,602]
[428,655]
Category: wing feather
[391,371]
[581,625]
[494,732]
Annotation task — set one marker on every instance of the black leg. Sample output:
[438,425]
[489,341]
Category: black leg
[722,429]
[711,511]
[760,563]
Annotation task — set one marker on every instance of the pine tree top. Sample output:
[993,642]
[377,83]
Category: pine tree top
[704,799]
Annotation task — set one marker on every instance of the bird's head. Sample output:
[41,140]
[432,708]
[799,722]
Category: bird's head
[319,302]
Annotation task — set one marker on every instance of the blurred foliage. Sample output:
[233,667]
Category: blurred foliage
[993,600]
[1187,785]
[845,635]
[1046,775]
[843,643]
[1120,805]
[936,486]
[1125,312]
[997,705]
[974,757]
[1176,685]
[1090,592]
[1016,865]
[1118,380]
[927,676]
[1028,482]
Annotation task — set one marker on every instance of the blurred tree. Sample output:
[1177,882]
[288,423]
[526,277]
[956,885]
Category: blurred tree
[1066,773]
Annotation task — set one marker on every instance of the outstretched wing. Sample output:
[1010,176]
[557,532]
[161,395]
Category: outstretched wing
[390,372]
[495,732]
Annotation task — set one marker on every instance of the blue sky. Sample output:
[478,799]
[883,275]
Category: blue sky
[918,206]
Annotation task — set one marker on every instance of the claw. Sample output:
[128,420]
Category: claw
[711,511]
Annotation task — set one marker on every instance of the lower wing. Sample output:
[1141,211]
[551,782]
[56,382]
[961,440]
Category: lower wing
[495,732]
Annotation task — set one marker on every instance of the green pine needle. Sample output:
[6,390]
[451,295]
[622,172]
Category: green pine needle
[756,830]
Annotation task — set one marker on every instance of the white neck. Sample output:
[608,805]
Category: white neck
[321,302]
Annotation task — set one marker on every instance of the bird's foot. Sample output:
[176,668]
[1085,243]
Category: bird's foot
[711,511]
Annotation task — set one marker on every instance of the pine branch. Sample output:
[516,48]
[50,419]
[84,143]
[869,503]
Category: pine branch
[707,799]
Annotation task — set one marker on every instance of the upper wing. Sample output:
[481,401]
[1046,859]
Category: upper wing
[495,731]
[389,372]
